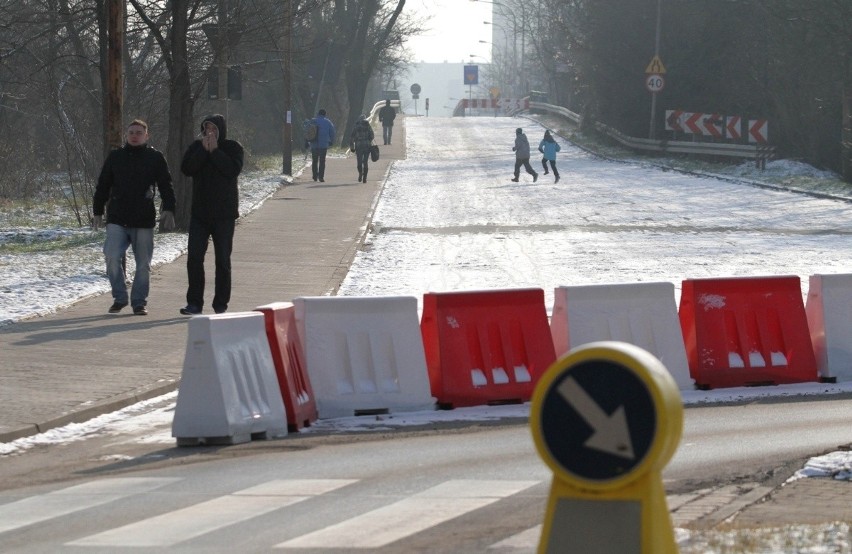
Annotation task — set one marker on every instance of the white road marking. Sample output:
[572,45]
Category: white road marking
[43,507]
[193,521]
[409,516]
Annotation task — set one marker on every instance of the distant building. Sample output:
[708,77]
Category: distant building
[443,84]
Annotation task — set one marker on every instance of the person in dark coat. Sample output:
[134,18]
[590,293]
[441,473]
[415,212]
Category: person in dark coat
[360,142]
[214,162]
[320,145]
[129,179]
[387,114]
[522,155]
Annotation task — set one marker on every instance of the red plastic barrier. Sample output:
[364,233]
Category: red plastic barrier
[746,331]
[299,401]
[485,347]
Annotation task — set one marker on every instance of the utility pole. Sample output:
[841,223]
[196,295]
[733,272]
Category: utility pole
[222,54]
[114,102]
[287,166]
[652,133]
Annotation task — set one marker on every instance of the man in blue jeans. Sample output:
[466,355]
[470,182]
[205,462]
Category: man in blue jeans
[214,162]
[320,144]
[128,181]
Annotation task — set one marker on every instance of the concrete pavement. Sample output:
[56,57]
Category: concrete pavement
[82,362]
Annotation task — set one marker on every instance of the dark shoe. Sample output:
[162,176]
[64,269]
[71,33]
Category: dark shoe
[189,309]
[557,179]
[220,310]
[514,180]
[535,177]
[360,176]
[547,173]
[322,180]
[140,310]
[116,307]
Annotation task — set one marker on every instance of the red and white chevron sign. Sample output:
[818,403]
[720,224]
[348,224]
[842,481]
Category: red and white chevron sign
[732,127]
[716,126]
[758,131]
[711,125]
[674,120]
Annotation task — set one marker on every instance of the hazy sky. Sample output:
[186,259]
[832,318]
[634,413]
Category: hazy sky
[456,29]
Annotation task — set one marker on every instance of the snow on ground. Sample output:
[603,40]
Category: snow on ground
[39,283]
[450,219]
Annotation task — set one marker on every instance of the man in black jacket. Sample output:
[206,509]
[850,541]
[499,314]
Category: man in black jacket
[214,162]
[128,180]
[387,114]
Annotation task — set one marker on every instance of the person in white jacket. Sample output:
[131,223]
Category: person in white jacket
[549,147]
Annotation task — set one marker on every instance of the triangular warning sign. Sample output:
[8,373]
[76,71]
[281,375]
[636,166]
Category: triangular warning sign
[656,66]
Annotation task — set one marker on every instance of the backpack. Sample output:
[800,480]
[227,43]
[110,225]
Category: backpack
[311,130]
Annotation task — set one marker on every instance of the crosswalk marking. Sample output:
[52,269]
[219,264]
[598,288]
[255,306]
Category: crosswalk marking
[193,521]
[411,515]
[43,507]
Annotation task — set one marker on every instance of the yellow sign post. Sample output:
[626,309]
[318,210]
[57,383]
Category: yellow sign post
[606,418]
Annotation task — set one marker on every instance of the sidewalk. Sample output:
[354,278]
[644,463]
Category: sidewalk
[82,362]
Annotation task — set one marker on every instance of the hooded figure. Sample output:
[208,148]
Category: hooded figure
[549,147]
[522,155]
[360,142]
[214,162]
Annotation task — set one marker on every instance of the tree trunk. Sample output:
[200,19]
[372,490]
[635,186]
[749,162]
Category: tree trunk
[181,104]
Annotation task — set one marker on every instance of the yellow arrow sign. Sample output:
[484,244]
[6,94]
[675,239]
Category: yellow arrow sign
[656,66]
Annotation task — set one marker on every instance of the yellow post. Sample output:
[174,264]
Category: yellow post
[606,418]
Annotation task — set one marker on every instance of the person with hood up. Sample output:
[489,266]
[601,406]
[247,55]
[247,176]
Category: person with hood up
[360,142]
[128,181]
[320,145]
[214,162]
[549,147]
[522,155]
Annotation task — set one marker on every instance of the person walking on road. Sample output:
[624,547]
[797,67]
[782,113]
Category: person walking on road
[387,114]
[126,186]
[214,162]
[549,147]
[522,155]
[320,144]
[360,142]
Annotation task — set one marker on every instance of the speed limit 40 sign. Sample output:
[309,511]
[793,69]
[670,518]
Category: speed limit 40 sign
[654,82]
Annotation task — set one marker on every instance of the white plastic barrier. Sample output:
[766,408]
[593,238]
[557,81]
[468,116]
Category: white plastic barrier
[642,314]
[829,311]
[228,391]
[364,354]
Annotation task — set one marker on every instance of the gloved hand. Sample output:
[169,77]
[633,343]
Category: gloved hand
[167,221]
[97,222]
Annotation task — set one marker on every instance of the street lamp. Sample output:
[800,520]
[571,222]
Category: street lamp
[508,11]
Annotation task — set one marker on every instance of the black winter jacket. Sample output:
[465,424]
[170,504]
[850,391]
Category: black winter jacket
[128,180]
[215,193]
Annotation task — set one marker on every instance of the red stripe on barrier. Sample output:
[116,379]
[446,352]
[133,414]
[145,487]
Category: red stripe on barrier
[746,331]
[296,391]
[485,347]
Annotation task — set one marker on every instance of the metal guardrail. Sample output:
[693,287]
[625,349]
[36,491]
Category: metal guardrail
[759,153]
